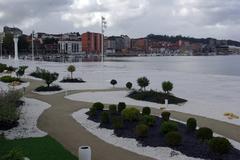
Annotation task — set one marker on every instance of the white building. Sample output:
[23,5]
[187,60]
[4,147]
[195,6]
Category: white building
[70,47]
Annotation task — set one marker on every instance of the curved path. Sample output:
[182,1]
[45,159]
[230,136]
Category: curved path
[58,123]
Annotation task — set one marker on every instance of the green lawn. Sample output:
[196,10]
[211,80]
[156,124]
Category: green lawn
[45,148]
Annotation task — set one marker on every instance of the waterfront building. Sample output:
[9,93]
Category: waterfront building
[91,43]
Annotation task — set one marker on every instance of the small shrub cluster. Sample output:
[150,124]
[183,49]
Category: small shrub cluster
[146,111]
[141,130]
[3,67]
[121,106]
[9,79]
[165,116]
[219,145]
[14,154]
[148,120]
[168,126]
[117,122]
[72,80]
[98,105]
[173,138]
[131,114]
[204,133]
[112,109]
[105,118]
[48,89]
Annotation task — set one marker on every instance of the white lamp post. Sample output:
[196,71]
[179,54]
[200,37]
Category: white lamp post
[103,26]
[32,46]
[15,39]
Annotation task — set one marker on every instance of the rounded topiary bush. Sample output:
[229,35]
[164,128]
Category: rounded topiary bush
[141,130]
[98,105]
[168,126]
[112,109]
[117,122]
[148,120]
[131,114]
[173,138]
[129,85]
[121,106]
[104,118]
[219,145]
[146,111]
[113,82]
[204,133]
[191,124]
[165,116]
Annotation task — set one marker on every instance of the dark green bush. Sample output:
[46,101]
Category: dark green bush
[104,118]
[173,138]
[165,116]
[219,145]
[148,120]
[14,154]
[92,112]
[141,130]
[113,82]
[11,69]
[48,89]
[146,111]
[168,126]
[191,124]
[131,114]
[143,82]
[121,106]
[117,122]
[98,105]
[204,133]
[3,67]
[9,79]
[112,109]
[167,86]
[129,85]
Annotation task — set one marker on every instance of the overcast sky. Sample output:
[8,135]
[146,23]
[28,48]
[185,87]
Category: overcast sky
[136,18]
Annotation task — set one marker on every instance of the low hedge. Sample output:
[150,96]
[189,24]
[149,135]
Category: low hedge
[117,122]
[148,120]
[146,111]
[204,133]
[104,118]
[112,109]
[72,80]
[9,79]
[48,89]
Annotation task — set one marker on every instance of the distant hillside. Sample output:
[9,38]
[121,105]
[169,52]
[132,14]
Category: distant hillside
[174,39]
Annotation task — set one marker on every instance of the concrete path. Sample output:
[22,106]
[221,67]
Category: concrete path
[58,123]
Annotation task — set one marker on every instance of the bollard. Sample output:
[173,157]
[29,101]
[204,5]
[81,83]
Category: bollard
[166,103]
[84,153]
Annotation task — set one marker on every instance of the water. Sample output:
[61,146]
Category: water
[219,65]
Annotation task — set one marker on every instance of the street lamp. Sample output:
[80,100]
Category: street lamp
[2,35]
[103,27]
[32,46]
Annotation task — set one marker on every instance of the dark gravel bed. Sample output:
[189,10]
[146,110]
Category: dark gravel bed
[191,146]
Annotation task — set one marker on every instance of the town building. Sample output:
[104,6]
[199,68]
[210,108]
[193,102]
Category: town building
[91,43]
[13,30]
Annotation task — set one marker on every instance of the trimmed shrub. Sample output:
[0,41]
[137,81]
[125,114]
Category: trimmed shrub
[143,82]
[92,112]
[129,85]
[148,120]
[146,111]
[204,133]
[117,122]
[48,89]
[141,130]
[98,105]
[168,126]
[9,79]
[173,138]
[71,69]
[104,118]
[167,86]
[131,114]
[165,116]
[191,124]
[112,109]
[121,106]
[219,145]
[113,82]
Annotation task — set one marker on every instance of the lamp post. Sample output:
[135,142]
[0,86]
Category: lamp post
[103,27]
[32,46]
[2,35]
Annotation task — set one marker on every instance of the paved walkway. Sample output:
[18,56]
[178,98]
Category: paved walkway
[58,123]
